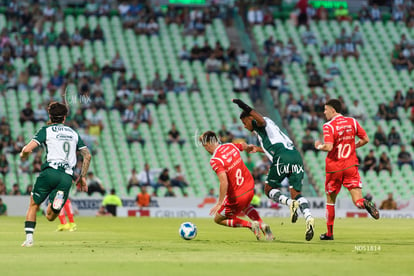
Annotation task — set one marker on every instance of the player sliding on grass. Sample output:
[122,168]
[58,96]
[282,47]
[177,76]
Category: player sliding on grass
[236,186]
[339,135]
[286,163]
[55,179]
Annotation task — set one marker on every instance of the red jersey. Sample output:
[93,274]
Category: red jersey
[341,132]
[302,5]
[226,158]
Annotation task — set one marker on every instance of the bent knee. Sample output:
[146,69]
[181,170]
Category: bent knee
[295,194]
[267,189]
[51,217]
[218,219]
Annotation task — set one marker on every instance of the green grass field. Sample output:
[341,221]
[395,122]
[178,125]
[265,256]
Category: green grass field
[149,246]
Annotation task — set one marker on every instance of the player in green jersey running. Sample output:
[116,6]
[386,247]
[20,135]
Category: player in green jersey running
[286,163]
[55,179]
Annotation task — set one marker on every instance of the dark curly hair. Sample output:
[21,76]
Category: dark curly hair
[57,112]
[335,104]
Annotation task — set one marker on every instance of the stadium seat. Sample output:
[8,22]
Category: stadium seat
[361,80]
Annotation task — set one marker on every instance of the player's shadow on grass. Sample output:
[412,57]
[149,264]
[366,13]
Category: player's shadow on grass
[290,242]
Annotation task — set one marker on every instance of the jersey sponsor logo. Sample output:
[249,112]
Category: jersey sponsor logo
[283,168]
[343,127]
[229,154]
[349,137]
[64,137]
[63,165]
[234,164]
[60,128]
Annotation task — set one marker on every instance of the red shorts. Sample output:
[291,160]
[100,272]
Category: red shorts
[349,178]
[235,207]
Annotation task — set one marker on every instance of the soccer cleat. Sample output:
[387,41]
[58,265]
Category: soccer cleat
[72,227]
[256,229]
[267,232]
[63,227]
[294,211]
[27,243]
[325,237]
[372,210]
[310,225]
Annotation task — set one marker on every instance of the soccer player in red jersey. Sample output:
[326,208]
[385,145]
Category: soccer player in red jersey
[339,135]
[66,210]
[236,186]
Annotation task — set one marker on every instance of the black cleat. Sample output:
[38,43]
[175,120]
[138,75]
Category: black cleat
[325,237]
[372,210]
[310,225]
[294,207]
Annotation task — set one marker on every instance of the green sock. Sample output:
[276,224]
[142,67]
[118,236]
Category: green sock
[29,226]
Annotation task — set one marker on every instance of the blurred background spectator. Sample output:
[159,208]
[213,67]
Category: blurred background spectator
[389,203]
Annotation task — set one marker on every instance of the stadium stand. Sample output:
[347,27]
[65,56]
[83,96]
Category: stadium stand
[194,113]
[143,55]
[363,80]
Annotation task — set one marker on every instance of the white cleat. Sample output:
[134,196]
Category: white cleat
[294,211]
[310,226]
[267,232]
[256,229]
[27,243]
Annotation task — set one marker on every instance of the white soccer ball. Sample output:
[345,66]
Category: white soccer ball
[188,230]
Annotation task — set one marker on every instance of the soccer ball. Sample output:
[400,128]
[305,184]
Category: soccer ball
[187,231]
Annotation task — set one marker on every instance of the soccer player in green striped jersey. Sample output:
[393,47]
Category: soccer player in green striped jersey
[55,179]
[286,163]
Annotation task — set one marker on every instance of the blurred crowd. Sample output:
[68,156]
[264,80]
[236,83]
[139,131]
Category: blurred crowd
[142,17]
[20,41]
[308,109]
[31,25]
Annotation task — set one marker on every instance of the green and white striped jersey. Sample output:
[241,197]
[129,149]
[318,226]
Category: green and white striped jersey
[272,139]
[61,144]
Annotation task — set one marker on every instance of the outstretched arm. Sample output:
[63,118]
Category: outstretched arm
[323,147]
[253,149]
[259,118]
[245,146]
[256,149]
[28,149]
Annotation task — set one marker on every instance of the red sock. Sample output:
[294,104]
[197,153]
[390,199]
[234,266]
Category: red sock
[236,222]
[69,210]
[252,213]
[330,217]
[360,203]
[62,217]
